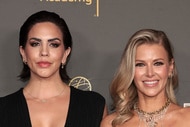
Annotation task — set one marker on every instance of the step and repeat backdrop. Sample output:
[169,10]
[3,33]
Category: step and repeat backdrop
[100,30]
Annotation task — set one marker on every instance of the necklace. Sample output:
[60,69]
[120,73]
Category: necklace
[44,100]
[151,118]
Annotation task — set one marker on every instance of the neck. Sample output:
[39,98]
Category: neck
[150,104]
[155,111]
[42,89]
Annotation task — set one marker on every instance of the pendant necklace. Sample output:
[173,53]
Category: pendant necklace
[151,118]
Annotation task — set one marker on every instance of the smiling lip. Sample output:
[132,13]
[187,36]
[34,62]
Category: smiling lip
[44,64]
[151,83]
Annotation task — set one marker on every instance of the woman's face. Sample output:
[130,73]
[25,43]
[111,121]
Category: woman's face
[44,51]
[152,69]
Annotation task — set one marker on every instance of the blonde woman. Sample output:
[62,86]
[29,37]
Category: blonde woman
[143,87]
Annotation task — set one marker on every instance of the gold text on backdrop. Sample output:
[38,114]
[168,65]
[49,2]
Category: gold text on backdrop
[87,2]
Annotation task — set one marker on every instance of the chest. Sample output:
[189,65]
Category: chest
[48,114]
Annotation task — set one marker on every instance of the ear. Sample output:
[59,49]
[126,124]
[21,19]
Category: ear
[22,52]
[65,55]
[171,67]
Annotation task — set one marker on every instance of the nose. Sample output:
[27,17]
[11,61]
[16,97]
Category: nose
[150,71]
[44,51]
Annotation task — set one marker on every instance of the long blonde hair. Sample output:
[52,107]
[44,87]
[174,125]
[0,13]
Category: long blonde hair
[123,90]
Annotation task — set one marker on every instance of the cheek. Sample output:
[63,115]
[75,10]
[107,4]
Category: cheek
[139,72]
[29,54]
[138,75]
[58,55]
[163,72]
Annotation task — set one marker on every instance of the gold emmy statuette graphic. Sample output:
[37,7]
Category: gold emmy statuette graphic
[81,83]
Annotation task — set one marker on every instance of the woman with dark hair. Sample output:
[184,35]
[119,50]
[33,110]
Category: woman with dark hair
[47,101]
[143,87]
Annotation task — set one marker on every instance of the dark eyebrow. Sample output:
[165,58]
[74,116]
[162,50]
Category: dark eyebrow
[49,40]
[36,39]
[54,39]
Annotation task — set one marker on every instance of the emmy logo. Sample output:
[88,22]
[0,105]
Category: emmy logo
[81,83]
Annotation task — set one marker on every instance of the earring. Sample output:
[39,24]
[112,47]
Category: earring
[171,75]
[62,65]
[24,62]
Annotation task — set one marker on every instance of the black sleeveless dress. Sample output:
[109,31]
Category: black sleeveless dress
[85,109]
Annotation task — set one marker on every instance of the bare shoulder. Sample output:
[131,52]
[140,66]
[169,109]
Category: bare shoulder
[183,116]
[107,121]
[185,112]
[178,116]
[181,111]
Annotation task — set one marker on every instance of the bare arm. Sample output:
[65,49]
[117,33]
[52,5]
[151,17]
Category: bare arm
[105,112]
[107,121]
